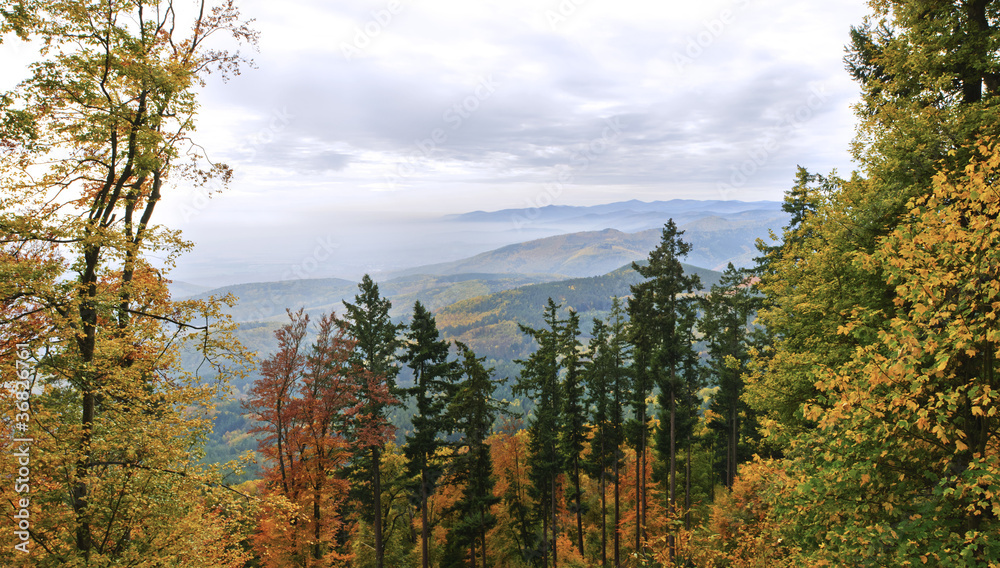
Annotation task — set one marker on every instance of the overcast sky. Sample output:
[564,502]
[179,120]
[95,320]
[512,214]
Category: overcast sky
[371,112]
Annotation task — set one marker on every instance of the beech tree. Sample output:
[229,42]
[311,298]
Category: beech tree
[90,142]
[306,406]
[913,427]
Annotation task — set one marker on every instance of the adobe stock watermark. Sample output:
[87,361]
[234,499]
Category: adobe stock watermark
[712,30]
[21,388]
[453,117]
[366,34]
[304,269]
[562,12]
[579,162]
[250,145]
[767,147]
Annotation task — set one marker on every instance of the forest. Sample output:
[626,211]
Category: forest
[834,404]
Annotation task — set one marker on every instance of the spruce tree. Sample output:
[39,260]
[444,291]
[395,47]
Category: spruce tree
[472,410]
[574,416]
[728,310]
[368,324]
[606,376]
[539,380]
[666,322]
[433,377]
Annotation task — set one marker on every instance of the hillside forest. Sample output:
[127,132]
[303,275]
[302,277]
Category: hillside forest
[833,402]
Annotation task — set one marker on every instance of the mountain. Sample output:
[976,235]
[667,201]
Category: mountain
[576,254]
[383,245]
[627,216]
[267,301]
[716,240]
[489,324]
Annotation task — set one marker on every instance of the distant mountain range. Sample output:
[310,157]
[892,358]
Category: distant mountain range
[720,231]
[489,324]
[628,216]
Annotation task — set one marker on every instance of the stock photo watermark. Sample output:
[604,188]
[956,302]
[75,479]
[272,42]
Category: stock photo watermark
[364,35]
[762,152]
[579,162]
[454,117]
[713,29]
[21,388]
[562,12]
[251,144]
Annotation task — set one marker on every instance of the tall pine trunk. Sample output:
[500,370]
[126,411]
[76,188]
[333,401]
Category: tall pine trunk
[617,513]
[579,512]
[424,532]
[687,489]
[671,541]
[604,515]
[377,499]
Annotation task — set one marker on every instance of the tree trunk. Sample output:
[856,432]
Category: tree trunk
[604,514]
[555,539]
[687,490]
[377,500]
[579,512]
[617,514]
[424,533]
[671,542]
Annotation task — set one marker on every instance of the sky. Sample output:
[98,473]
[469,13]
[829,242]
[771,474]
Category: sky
[366,116]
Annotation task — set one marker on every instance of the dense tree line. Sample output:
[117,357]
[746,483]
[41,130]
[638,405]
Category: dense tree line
[843,410]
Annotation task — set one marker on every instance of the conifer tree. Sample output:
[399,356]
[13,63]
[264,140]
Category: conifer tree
[473,411]
[574,416]
[369,325]
[539,380]
[666,320]
[433,375]
[728,309]
[606,376]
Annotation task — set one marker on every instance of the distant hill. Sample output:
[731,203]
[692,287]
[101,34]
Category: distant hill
[575,254]
[180,289]
[628,216]
[716,241]
[267,301]
[489,324]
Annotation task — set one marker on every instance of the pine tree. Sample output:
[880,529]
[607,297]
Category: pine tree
[433,375]
[473,411]
[728,310]
[369,325]
[574,416]
[539,380]
[606,376]
[666,322]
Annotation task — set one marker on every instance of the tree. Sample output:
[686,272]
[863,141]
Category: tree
[930,78]
[728,310]
[90,143]
[473,411]
[305,403]
[539,380]
[864,306]
[914,427]
[665,317]
[427,356]
[606,376]
[574,415]
[369,325]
